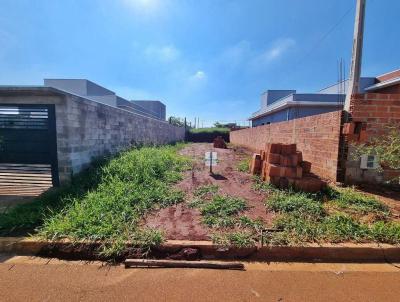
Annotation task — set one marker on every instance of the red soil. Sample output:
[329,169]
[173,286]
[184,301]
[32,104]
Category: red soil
[183,223]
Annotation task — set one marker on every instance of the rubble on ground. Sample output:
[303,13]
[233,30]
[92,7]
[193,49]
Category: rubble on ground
[219,142]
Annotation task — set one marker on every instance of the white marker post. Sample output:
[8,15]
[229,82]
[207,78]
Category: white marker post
[210,159]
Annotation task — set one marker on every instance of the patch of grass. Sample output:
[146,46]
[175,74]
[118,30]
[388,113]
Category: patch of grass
[262,186]
[244,165]
[386,232]
[24,218]
[206,191]
[246,222]
[221,211]
[239,239]
[298,204]
[306,217]
[124,189]
[350,199]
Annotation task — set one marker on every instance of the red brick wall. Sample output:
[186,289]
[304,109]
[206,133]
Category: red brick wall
[377,110]
[316,136]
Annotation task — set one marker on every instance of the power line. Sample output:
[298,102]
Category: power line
[326,35]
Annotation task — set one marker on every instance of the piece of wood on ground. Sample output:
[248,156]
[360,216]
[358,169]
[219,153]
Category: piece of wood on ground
[183,264]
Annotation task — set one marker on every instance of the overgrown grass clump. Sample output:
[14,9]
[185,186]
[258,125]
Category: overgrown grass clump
[350,199]
[238,239]
[244,165]
[207,190]
[337,215]
[124,189]
[222,211]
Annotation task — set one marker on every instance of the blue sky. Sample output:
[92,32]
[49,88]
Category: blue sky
[206,58]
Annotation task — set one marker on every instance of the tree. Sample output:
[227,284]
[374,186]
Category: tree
[176,121]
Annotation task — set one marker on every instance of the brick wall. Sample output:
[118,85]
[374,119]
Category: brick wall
[316,136]
[373,112]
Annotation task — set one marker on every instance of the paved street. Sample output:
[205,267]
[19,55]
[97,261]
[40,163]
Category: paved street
[37,279]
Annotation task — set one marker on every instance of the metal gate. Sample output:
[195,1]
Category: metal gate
[28,145]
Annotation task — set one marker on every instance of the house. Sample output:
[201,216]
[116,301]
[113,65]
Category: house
[95,92]
[284,105]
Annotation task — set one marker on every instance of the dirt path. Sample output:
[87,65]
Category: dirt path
[184,223]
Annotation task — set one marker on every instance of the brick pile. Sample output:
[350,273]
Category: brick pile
[219,142]
[283,166]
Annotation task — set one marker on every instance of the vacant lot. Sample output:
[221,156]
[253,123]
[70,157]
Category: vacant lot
[228,187]
[147,195]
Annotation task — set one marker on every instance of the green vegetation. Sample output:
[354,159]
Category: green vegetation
[238,239]
[350,199]
[262,186]
[244,165]
[176,121]
[207,135]
[224,214]
[215,130]
[108,201]
[386,147]
[222,211]
[337,215]
[207,190]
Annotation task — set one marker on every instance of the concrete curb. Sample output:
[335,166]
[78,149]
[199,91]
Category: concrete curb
[347,252]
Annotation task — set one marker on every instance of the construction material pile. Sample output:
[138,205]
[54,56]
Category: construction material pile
[219,142]
[283,166]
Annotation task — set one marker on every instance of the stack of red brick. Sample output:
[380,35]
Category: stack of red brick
[283,166]
[219,142]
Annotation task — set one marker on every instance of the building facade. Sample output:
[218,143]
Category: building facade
[285,105]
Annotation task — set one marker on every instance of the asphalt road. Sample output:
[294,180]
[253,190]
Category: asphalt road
[36,279]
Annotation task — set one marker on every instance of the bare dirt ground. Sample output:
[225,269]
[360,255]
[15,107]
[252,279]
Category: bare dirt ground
[184,223]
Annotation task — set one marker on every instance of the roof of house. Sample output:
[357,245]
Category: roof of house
[300,100]
[386,80]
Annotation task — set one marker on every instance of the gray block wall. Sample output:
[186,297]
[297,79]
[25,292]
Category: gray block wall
[87,129]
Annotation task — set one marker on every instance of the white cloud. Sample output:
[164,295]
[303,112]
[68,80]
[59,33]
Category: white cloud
[278,48]
[200,75]
[166,53]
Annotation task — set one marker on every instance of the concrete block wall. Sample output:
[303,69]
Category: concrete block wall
[86,130]
[375,111]
[316,136]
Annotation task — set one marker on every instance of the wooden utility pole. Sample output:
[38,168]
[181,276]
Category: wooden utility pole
[355,71]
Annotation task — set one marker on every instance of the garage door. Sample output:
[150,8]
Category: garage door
[28,148]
